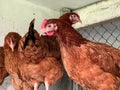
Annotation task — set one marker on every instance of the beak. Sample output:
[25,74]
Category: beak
[11,44]
[80,21]
[42,32]
[12,47]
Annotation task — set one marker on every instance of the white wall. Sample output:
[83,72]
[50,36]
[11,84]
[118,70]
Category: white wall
[15,15]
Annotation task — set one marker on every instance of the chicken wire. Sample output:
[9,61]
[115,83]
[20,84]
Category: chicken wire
[107,32]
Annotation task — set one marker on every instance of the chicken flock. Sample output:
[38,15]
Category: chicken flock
[37,58]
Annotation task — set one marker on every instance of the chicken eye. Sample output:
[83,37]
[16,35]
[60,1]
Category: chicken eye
[49,25]
[74,16]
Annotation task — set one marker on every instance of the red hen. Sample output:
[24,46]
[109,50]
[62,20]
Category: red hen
[95,66]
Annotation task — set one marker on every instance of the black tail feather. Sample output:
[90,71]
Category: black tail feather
[30,34]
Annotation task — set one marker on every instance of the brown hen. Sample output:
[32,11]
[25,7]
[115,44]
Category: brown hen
[11,58]
[95,66]
[3,72]
[40,66]
[69,18]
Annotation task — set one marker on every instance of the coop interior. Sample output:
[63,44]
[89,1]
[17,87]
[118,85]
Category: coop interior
[100,23]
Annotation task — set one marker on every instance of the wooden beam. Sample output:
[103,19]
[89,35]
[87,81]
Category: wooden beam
[99,12]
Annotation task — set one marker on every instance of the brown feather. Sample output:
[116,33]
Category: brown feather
[12,60]
[32,52]
[3,72]
[53,46]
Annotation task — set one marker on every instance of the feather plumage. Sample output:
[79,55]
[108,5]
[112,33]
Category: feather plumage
[3,72]
[93,65]
[41,64]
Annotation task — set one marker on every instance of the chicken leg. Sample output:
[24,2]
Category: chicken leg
[46,85]
[36,86]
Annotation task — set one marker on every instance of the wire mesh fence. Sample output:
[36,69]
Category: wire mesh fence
[108,32]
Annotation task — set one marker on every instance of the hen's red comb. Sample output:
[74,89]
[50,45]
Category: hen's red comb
[43,23]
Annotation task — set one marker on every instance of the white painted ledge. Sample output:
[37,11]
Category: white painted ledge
[102,11]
